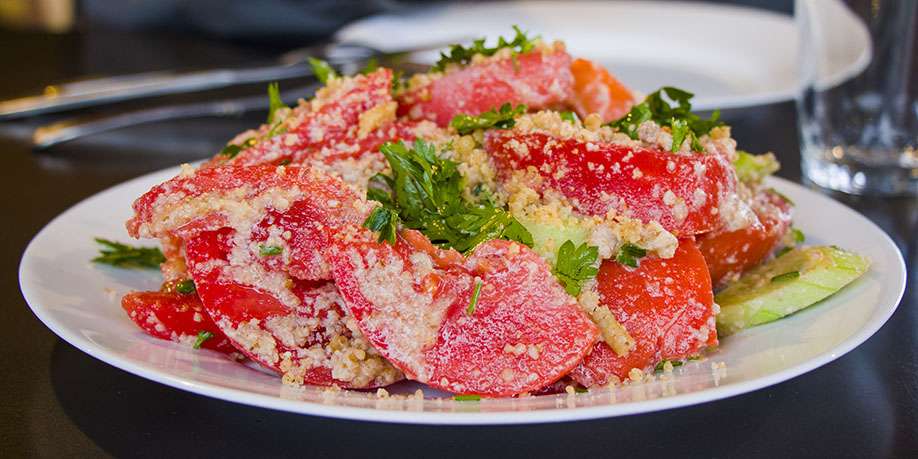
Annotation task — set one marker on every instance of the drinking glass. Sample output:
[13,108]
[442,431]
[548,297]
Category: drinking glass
[857,111]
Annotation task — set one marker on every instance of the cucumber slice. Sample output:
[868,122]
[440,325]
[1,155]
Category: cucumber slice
[547,237]
[785,285]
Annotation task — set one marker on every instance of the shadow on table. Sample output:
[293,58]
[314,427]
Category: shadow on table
[119,411]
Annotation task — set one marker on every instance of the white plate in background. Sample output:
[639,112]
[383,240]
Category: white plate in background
[729,56]
[80,302]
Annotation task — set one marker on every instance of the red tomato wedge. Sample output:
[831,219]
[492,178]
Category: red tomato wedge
[212,198]
[597,91]
[666,306]
[538,79]
[683,193]
[729,253]
[346,118]
[294,327]
[176,317]
[524,332]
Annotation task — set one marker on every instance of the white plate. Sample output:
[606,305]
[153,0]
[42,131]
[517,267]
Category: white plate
[79,301]
[729,56]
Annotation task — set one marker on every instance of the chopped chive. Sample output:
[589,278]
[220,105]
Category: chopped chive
[786,276]
[202,336]
[126,256]
[270,250]
[474,301]
[467,398]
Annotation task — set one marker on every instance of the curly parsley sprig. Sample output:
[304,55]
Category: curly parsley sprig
[424,192]
[458,54]
[502,118]
[682,122]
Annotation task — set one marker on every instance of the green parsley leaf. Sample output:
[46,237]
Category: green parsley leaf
[574,265]
[799,237]
[786,276]
[458,54]
[629,254]
[679,118]
[202,336]
[371,66]
[580,390]
[125,256]
[467,398]
[232,150]
[503,118]
[322,70]
[270,250]
[570,117]
[397,81]
[783,251]
[185,287]
[425,192]
[474,301]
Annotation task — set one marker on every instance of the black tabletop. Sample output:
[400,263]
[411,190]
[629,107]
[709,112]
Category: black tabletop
[56,401]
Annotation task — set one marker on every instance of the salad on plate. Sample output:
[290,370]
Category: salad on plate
[513,222]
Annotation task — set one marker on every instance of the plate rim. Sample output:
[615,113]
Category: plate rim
[234,395]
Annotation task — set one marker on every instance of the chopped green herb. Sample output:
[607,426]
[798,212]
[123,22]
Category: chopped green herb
[274,102]
[371,66]
[799,237]
[424,192]
[786,276]
[580,390]
[574,265]
[202,336]
[467,398]
[397,82]
[185,287]
[629,254]
[783,251]
[682,122]
[458,54]
[675,363]
[503,118]
[322,70]
[474,301]
[570,117]
[232,150]
[270,250]
[754,168]
[125,256]
[284,162]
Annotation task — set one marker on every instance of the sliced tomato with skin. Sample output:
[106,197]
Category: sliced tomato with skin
[336,123]
[211,198]
[683,192]
[666,306]
[175,317]
[538,79]
[597,91]
[524,333]
[729,253]
[296,328]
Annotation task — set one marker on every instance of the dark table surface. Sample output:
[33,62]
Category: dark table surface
[56,401]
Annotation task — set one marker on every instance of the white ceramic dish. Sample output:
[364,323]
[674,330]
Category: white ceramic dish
[729,56]
[80,301]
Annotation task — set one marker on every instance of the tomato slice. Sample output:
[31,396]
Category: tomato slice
[684,193]
[666,306]
[597,91]
[212,198]
[524,332]
[176,317]
[538,79]
[729,253]
[294,327]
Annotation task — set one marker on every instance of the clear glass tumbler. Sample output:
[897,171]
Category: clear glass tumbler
[857,110]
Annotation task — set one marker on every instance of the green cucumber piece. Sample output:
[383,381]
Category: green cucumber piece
[784,285]
[548,237]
